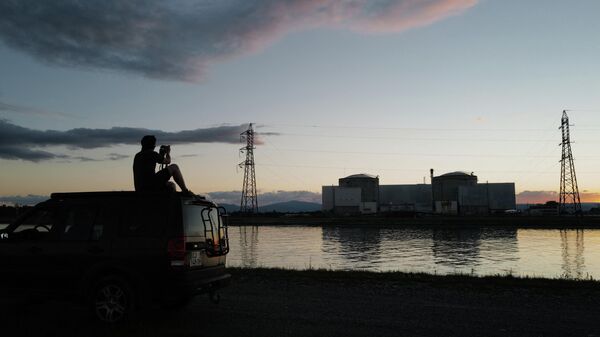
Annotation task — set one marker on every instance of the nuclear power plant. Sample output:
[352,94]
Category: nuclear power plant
[457,193]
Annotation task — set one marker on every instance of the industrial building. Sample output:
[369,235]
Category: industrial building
[357,193]
[450,193]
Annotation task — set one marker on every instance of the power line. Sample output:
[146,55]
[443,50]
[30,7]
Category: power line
[316,126]
[418,139]
[406,170]
[393,169]
[428,154]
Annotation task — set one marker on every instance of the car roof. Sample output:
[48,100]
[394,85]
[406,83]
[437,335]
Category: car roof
[129,195]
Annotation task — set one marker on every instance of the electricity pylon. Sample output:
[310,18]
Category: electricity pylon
[569,203]
[249,203]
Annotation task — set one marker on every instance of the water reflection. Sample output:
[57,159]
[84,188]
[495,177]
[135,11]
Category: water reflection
[247,244]
[456,248]
[481,251]
[360,245]
[470,248]
[573,262]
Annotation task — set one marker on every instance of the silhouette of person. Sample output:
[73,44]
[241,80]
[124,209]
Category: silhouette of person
[146,178]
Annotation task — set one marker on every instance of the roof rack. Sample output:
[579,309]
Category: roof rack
[68,195]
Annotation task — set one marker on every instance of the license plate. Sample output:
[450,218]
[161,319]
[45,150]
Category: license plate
[195,258]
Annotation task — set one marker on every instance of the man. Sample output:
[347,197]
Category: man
[144,166]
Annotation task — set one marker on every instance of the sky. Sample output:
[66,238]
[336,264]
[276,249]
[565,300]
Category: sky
[386,87]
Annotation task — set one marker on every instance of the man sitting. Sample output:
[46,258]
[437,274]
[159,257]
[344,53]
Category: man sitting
[145,177]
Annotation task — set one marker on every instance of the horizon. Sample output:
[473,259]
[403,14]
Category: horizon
[390,89]
[272,199]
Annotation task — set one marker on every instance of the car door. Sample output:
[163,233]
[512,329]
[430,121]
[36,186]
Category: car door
[24,263]
[83,242]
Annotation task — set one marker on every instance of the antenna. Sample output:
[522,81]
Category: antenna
[569,203]
[249,203]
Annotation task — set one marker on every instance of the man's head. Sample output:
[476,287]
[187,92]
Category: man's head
[148,142]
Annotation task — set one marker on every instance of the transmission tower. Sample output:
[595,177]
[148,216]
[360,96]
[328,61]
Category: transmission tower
[249,203]
[569,191]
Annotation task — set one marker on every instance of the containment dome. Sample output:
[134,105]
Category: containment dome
[458,174]
[445,187]
[368,184]
[361,176]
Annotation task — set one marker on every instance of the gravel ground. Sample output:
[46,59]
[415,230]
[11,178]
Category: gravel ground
[262,302]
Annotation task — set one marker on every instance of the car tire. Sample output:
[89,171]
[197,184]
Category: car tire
[112,300]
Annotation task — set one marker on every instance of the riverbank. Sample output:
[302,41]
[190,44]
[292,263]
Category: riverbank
[275,302]
[548,222]
[554,222]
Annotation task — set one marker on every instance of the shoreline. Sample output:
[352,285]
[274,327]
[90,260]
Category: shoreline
[508,279]
[524,222]
[549,222]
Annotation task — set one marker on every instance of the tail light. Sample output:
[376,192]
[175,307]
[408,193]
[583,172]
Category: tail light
[176,251]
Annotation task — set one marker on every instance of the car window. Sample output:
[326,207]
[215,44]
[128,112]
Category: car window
[107,216]
[40,220]
[37,225]
[144,220]
[78,223]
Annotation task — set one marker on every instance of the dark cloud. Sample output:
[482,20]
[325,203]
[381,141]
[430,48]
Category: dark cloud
[267,133]
[20,109]
[18,152]
[29,199]
[18,142]
[177,39]
[234,197]
[117,156]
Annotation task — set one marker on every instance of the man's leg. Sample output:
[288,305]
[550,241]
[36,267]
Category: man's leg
[177,176]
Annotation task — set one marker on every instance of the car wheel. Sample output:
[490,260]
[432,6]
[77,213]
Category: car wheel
[112,300]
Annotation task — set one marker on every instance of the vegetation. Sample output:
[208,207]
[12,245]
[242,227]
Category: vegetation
[508,279]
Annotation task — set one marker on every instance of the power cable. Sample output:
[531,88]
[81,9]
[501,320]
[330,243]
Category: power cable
[428,154]
[316,126]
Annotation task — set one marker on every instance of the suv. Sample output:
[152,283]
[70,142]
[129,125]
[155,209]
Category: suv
[117,251]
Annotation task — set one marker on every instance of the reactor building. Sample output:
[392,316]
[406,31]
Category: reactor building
[450,193]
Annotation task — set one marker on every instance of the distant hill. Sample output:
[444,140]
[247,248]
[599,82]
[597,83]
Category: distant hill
[230,208]
[293,206]
[585,206]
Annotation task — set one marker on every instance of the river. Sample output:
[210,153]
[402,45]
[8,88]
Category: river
[479,251]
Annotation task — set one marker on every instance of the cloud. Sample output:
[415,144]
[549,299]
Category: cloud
[234,197]
[177,39]
[541,197]
[536,197]
[20,109]
[117,156]
[18,152]
[18,142]
[590,197]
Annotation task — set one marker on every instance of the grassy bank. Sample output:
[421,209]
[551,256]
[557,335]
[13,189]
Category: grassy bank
[279,302]
[502,280]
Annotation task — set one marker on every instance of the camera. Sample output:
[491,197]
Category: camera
[165,149]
